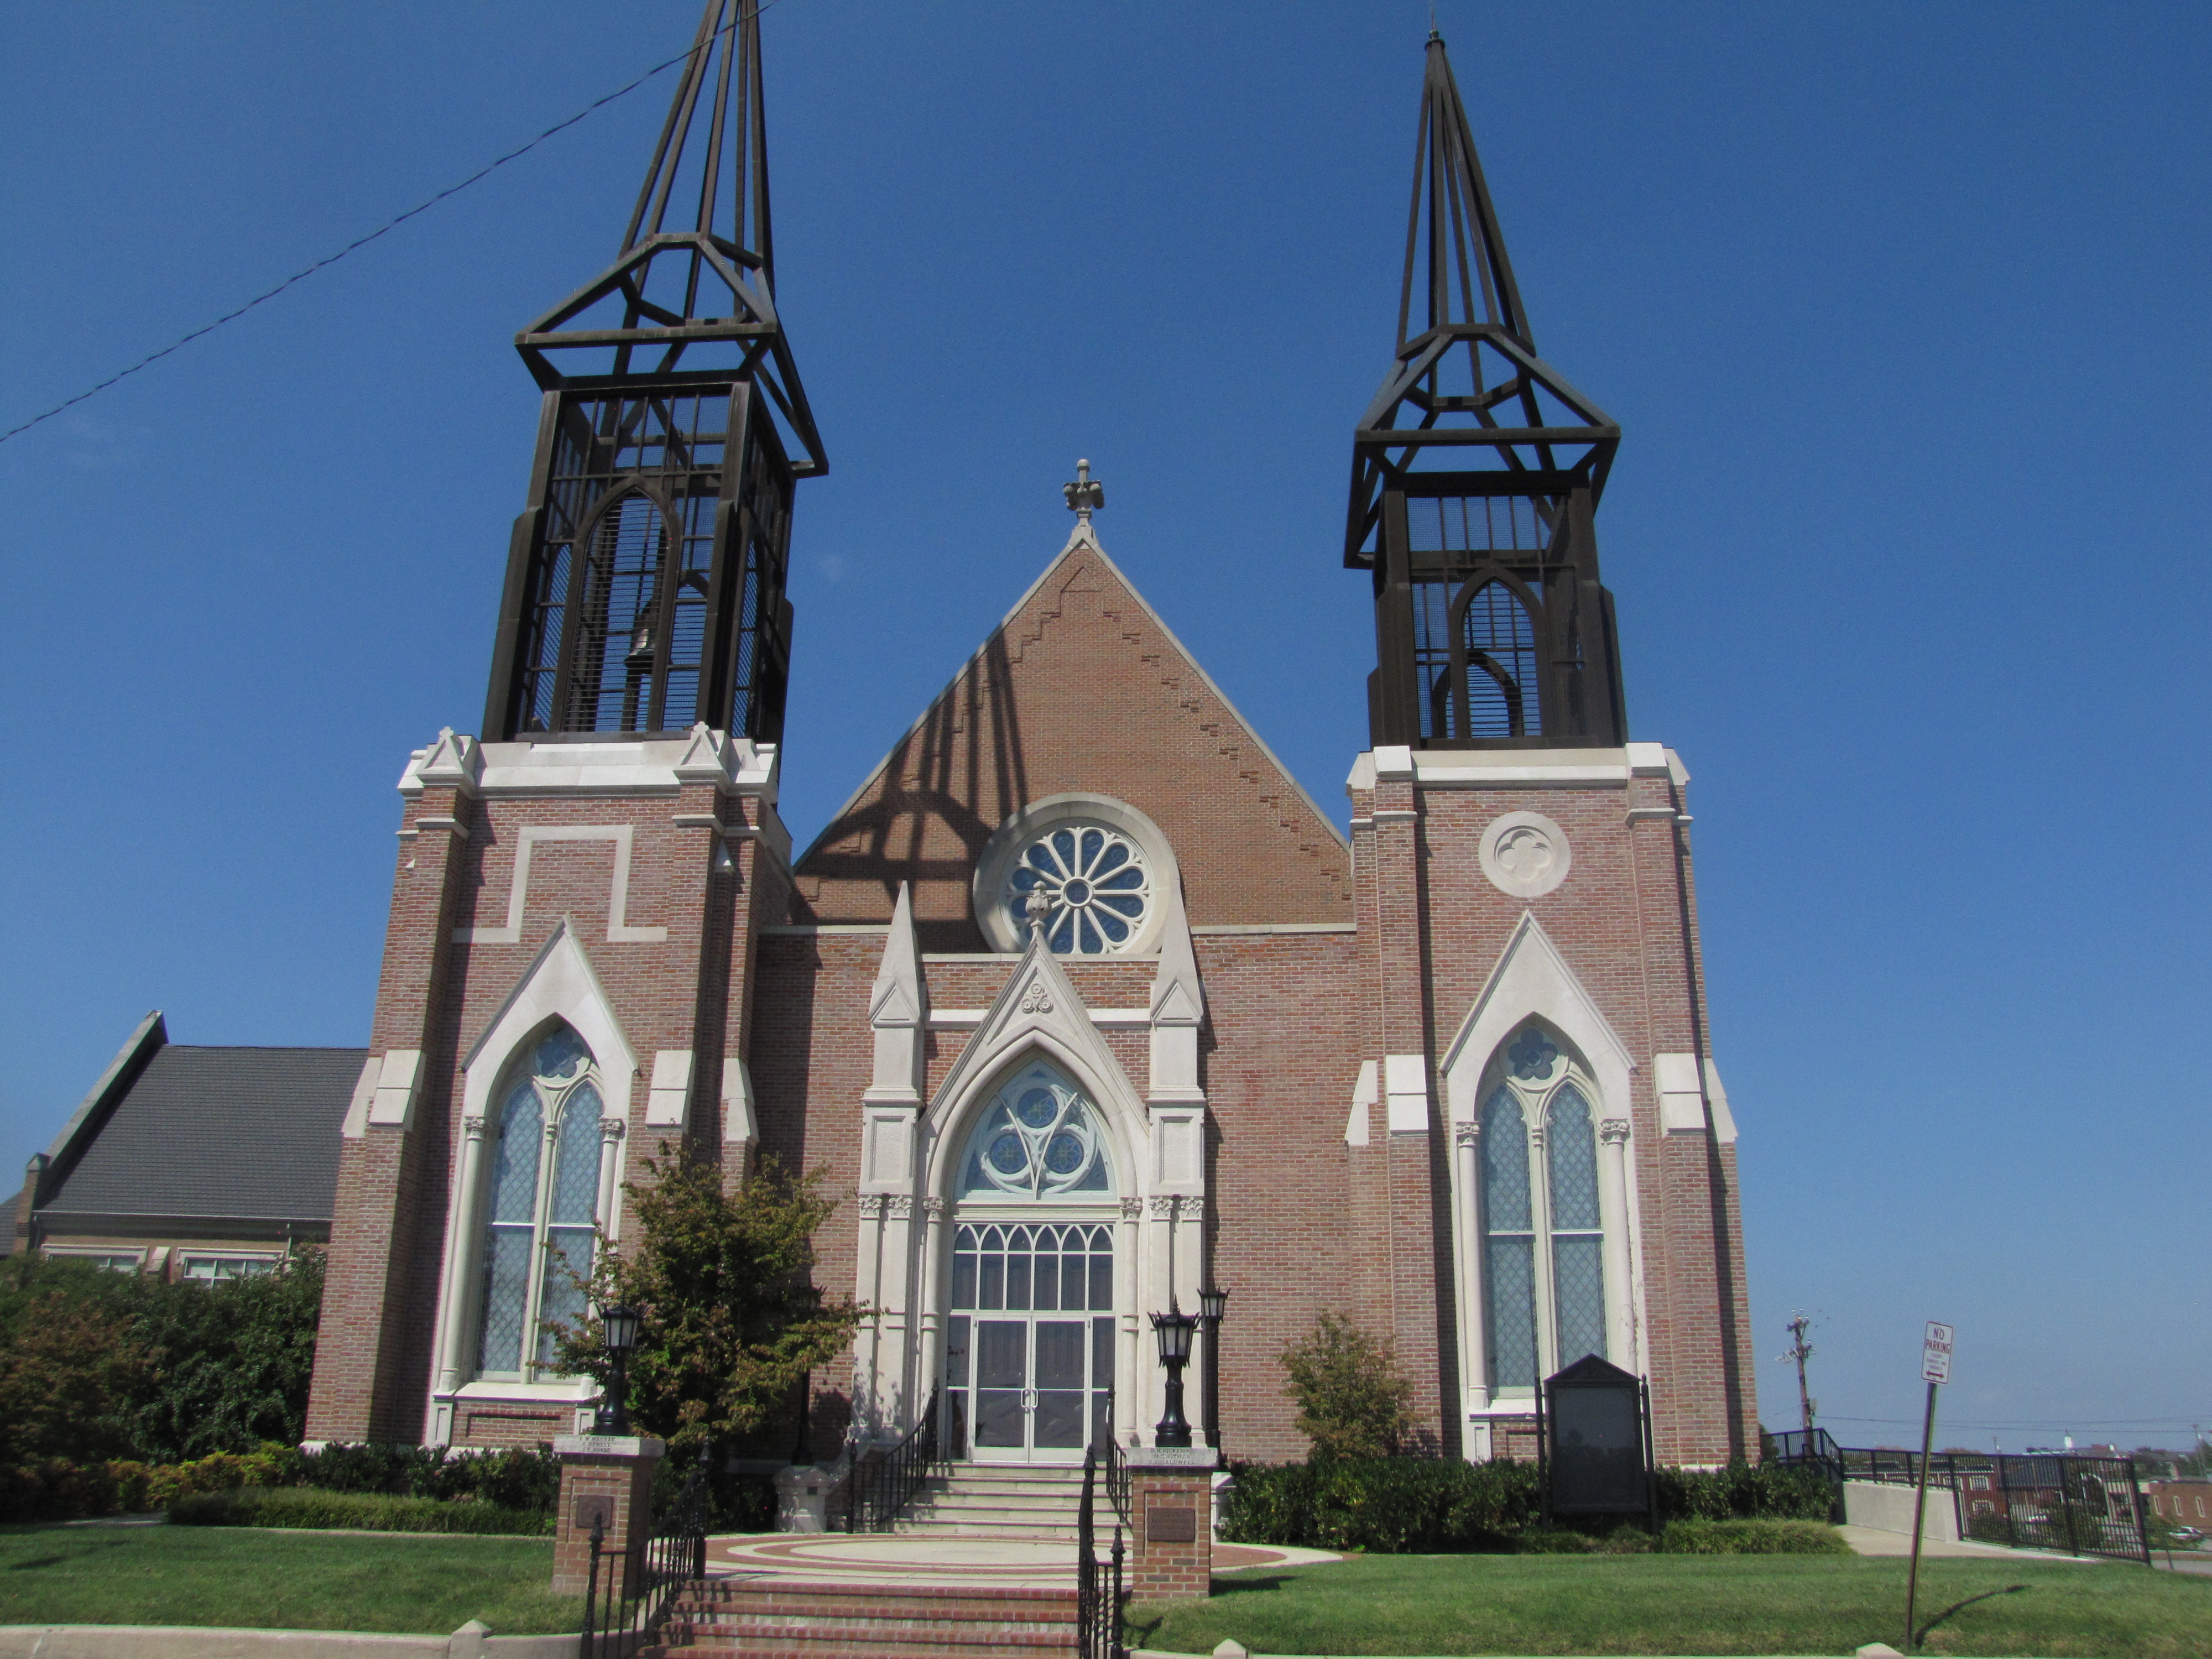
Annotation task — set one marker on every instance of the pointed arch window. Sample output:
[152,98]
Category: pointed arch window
[1544,1278]
[541,1205]
[1494,679]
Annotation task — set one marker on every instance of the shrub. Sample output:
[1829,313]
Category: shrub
[1693,1537]
[308,1508]
[1435,1504]
[70,1376]
[1351,1395]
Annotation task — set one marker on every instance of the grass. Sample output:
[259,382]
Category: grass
[1661,1604]
[159,1574]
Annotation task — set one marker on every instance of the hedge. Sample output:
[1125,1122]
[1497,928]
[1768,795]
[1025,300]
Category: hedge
[1693,1537]
[309,1507]
[1436,1505]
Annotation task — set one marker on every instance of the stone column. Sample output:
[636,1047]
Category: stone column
[611,1130]
[468,1221]
[1171,1508]
[1128,1356]
[1466,1230]
[896,1408]
[607,1478]
[1614,1217]
[936,1254]
[867,1393]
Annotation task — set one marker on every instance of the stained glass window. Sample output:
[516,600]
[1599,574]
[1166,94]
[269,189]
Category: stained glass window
[541,1204]
[1094,880]
[1039,1139]
[1553,1254]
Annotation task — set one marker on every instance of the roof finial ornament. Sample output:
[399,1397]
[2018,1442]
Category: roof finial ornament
[1084,496]
[1039,906]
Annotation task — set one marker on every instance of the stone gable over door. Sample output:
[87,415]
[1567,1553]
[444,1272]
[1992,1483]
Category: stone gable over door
[1081,688]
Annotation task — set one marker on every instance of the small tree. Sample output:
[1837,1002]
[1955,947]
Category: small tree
[1351,1395]
[70,1374]
[731,1321]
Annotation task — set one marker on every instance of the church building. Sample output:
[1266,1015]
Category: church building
[1081,1002]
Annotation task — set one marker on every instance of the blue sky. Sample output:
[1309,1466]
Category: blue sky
[1901,308]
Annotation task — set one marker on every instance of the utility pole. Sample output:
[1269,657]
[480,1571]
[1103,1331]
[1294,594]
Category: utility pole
[1801,1350]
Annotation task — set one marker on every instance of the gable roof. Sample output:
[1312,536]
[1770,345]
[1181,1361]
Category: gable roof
[177,1133]
[1081,688]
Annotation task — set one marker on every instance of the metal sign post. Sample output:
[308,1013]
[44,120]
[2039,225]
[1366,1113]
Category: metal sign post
[1935,1370]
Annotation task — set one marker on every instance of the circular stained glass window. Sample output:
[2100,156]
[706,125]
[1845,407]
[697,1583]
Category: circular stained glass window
[1095,883]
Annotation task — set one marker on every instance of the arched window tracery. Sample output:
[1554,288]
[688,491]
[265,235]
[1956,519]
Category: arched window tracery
[541,1213]
[1040,1139]
[1544,1278]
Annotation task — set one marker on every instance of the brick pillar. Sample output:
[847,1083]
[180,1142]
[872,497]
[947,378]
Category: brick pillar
[1172,1501]
[610,1477]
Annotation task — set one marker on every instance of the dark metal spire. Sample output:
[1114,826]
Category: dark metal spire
[699,299]
[1467,390]
[1463,240]
[1475,473]
[646,577]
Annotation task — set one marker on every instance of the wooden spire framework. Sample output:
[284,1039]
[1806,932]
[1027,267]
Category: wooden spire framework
[1475,473]
[645,587]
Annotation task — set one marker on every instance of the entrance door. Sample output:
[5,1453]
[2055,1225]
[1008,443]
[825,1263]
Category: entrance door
[1029,1347]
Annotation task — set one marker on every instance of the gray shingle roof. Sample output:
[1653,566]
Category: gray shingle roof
[250,1133]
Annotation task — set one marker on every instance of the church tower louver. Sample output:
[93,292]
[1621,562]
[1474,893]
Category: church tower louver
[1086,1005]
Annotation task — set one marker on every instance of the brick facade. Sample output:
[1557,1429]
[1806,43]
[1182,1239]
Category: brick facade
[1317,954]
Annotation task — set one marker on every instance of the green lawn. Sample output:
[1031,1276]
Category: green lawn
[1660,1604]
[58,1574]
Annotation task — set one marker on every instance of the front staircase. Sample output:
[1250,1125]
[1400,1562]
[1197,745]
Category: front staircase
[734,1618]
[996,1500]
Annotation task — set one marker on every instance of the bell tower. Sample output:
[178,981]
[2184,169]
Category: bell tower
[645,581]
[1475,478]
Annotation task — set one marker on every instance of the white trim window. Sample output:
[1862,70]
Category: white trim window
[541,1208]
[215,1269]
[1542,1226]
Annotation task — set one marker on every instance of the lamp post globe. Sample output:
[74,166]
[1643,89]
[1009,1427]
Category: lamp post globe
[618,1330]
[1174,1329]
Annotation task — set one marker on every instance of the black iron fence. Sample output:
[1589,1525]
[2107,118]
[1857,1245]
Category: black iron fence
[2065,1501]
[881,1488]
[1099,1592]
[630,1592]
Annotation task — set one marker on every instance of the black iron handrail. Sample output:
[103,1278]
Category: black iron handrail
[880,1488]
[1115,1467]
[1098,1591]
[628,1595]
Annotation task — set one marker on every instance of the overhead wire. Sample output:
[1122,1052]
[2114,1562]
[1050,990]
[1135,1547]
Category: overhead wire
[388,226]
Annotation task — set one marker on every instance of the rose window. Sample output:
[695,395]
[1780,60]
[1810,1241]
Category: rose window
[1094,882]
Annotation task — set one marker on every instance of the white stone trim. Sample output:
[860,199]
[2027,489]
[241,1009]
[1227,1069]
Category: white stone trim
[364,1093]
[1231,930]
[1406,1093]
[668,1102]
[1365,1091]
[734,765]
[397,1082]
[618,929]
[740,1123]
[1723,1120]
[1488,768]
[558,984]
[1540,835]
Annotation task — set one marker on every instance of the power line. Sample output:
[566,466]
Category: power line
[360,242]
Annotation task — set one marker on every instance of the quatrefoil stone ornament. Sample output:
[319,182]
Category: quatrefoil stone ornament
[1525,854]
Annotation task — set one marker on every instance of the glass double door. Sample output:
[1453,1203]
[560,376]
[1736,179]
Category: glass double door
[1029,1347]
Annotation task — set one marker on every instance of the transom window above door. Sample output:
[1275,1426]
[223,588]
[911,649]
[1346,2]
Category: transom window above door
[1039,1141]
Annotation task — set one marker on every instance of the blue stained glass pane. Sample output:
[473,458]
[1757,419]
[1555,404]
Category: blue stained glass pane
[567,1257]
[1038,1108]
[561,1054]
[1509,1283]
[1572,1147]
[514,1162]
[1115,856]
[1121,880]
[1008,1155]
[1504,1164]
[1063,1155]
[507,1286]
[576,1197]
[1578,1287]
[1111,925]
[1063,845]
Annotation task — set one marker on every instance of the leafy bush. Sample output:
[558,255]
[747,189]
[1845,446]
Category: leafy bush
[1351,1395]
[56,1489]
[1432,1505]
[1386,1503]
[96,1364]
[515,1478]
[306,1507]
[1745,1491]
[1751,1538]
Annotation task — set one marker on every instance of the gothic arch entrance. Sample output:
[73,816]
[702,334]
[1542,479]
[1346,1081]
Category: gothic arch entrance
[1031,1316]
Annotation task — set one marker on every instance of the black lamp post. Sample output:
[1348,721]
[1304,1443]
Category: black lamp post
[1174,1329]
[1212,1304]
[618,1335]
